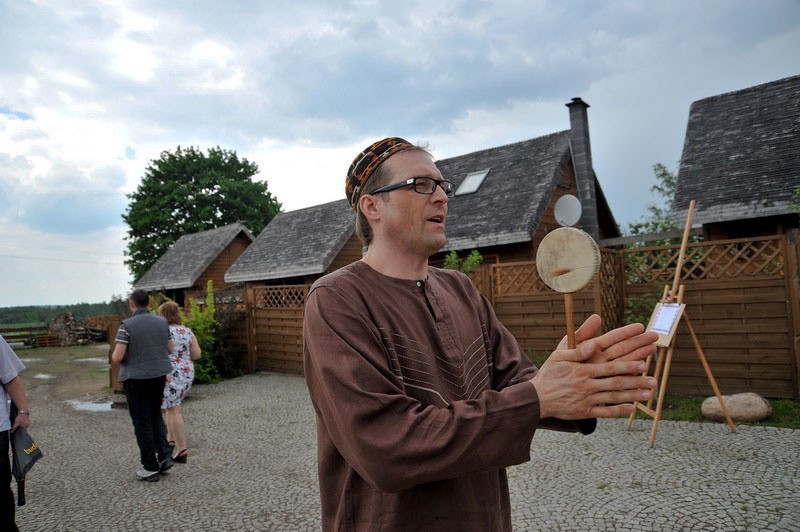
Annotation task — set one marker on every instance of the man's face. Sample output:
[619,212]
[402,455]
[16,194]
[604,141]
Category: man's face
[413,222]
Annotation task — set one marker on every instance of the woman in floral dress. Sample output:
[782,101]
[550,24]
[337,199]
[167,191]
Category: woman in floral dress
[185,351]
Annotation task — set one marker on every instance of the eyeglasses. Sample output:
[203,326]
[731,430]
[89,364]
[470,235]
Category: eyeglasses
[422,185]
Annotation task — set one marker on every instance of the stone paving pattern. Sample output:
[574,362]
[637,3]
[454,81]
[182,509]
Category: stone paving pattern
[252,467]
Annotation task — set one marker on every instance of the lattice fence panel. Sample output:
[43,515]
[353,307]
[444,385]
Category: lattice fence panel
[481,277]
[230,301]
[517,278]
[281,297]
[610,289]
[706,261]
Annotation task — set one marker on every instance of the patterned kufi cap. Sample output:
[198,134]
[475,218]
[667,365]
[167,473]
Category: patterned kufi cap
[366,162]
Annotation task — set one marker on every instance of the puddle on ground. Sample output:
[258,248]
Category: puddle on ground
[44,376]
[96,360]
[30,359]
[91,406]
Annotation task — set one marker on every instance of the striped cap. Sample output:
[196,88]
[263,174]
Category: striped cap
[366,162]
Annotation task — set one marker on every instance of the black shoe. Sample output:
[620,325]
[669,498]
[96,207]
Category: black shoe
[165,464]
[180,458]
[147,475]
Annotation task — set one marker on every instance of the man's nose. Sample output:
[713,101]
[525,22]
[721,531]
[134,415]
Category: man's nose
[440,195]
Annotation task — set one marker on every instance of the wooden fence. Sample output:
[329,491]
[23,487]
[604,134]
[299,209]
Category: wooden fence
[742,299]
[275,328]
[36,336]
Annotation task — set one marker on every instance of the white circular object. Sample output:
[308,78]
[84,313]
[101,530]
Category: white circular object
[567,259]
[568,210]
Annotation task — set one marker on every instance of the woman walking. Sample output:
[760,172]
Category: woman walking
[179,380]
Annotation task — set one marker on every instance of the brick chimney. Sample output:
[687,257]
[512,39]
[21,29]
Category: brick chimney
[582,162]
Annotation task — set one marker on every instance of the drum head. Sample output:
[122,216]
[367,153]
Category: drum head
[567,259]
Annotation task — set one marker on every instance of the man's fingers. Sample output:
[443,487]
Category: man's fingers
[617,403]
[619,367]
[635,346]
[623,384]
[588,329]
[611,411]
[620,334]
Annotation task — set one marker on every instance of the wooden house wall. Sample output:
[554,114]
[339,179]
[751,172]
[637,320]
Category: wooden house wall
[216,270]
[350,252]
[567,185]
[755,227]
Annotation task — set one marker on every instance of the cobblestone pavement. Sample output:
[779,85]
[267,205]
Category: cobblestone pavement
[253,467]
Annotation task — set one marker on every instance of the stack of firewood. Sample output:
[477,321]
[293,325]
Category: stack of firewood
[74,332]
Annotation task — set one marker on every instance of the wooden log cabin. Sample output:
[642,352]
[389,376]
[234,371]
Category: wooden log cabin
[193,260]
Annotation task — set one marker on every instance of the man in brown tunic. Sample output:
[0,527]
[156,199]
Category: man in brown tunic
[422,396]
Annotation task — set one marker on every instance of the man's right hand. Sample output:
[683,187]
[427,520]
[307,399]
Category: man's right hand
[602,377]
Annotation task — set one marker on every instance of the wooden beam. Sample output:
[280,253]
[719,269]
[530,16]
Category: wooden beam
[649,237]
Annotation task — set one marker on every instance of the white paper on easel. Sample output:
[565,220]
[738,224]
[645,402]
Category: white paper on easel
[665,318]
[664,321]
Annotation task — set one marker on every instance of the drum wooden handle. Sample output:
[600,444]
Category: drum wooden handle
[570,320]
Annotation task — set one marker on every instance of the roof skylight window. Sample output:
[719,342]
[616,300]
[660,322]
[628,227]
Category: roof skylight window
[472,182]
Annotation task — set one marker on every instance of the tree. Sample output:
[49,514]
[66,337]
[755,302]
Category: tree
[659,220]
[187,192]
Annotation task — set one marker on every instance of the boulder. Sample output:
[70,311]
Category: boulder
[741,406]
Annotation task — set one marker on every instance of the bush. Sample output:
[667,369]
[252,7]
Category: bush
[228,351]
[466,265]
[638,309]
[204,326]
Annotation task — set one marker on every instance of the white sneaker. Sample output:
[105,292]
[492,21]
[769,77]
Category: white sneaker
[147,475]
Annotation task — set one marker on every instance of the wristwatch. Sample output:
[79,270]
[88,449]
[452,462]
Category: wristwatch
[23,412]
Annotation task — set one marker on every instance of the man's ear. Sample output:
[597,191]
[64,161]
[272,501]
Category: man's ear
[369,207]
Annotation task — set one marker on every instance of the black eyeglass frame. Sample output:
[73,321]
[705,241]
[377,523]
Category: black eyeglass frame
[413,182]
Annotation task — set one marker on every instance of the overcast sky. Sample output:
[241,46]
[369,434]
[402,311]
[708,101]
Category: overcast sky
[92,91]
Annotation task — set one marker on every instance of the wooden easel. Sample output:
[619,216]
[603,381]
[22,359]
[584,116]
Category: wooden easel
[666,345]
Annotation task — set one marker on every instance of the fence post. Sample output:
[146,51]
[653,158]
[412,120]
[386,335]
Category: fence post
[250,309]
[792,272]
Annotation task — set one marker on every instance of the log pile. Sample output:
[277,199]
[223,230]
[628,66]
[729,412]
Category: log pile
[76,332]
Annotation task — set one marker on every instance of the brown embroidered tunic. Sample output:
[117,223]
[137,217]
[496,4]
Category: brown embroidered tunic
[422,400]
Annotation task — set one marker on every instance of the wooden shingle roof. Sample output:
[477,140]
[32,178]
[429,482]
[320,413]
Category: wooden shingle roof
[187,259]
[296,243]
[741,155]
[506,209]
[510,203]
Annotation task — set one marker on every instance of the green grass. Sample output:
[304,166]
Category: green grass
[785,412]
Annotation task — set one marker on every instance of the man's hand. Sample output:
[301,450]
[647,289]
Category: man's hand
[600,378]
[625,343]
[22,420]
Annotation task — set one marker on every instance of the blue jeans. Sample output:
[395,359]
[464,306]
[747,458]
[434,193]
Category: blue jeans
[144,405]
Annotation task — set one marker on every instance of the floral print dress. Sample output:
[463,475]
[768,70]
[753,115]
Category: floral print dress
[179,380]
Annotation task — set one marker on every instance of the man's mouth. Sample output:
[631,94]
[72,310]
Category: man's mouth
[436,219]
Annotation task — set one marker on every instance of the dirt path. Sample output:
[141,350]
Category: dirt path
[66,373]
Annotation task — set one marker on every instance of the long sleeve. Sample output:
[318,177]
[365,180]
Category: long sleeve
[512,366]
[391,439]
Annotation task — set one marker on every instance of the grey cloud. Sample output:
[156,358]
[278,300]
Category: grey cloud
[74,212]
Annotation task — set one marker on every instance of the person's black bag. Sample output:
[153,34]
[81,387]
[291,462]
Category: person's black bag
[24,453]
